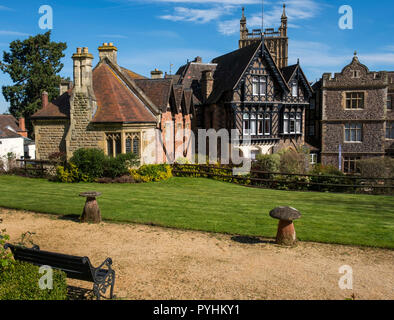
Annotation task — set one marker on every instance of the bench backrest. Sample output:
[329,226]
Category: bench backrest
[78,268]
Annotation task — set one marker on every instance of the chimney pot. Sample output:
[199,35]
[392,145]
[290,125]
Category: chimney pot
[105,44]
[111,44]
[79,50]
[44,99]
[85,50]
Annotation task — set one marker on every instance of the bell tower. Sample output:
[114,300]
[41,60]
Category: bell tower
[276,41]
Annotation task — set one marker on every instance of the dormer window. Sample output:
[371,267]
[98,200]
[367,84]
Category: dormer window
[259,86]
[294,89]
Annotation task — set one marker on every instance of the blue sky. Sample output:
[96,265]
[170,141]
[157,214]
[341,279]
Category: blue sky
[156,33]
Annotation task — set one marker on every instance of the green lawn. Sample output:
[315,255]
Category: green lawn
[208,205]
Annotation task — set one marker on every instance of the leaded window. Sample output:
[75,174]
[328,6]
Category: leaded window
[114,144]
[133,143]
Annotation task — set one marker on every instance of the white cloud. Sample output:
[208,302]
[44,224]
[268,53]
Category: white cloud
[197,15]
[112,36]
[12,33]
[317,58]
[4,8]
[296,10]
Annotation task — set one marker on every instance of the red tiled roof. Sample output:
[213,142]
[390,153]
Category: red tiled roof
[60,108]
[132,74]
[115,101]
[157,90]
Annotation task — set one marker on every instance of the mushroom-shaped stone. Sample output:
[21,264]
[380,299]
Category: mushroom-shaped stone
[286,233]
[91,212]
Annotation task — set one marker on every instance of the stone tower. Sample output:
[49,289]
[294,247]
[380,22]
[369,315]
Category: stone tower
[276,41]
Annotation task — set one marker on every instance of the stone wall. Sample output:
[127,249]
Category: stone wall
[50,137]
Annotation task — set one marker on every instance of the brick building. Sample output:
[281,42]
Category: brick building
[116,110]
[353,117]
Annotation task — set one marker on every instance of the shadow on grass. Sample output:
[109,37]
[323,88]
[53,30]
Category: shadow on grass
[251,240]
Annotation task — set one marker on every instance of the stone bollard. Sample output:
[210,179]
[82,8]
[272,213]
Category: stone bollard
[286,233]
[91,212]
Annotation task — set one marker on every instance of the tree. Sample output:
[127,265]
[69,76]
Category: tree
[33,65]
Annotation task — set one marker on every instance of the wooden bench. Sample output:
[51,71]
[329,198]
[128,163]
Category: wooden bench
[78,268]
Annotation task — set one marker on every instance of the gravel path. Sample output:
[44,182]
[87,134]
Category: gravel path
[159,263]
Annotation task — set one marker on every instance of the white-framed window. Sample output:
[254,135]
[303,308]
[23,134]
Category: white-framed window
[267,125]
[286,123]
[259,86]
[292,123]
[313,158]
[246,124]
[294,89]
[390,130]
[353,132]
[253,128]
[298,123]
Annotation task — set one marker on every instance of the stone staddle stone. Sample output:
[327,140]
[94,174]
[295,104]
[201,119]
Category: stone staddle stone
[286,234]
[91,212]
[285,213]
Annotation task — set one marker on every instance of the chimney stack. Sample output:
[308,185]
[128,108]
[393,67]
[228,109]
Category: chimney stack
[65,85]
[108,50]
[44,99]
[83,69]
[206,84]
[22,128]
[156,74]
[198,60]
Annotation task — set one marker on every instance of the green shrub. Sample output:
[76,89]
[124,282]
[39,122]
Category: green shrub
[119,166]
[267,163]
[70,174]
[5,257]
[90,162]
[20,281]
[292,161]
[152,173]
[376,167]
